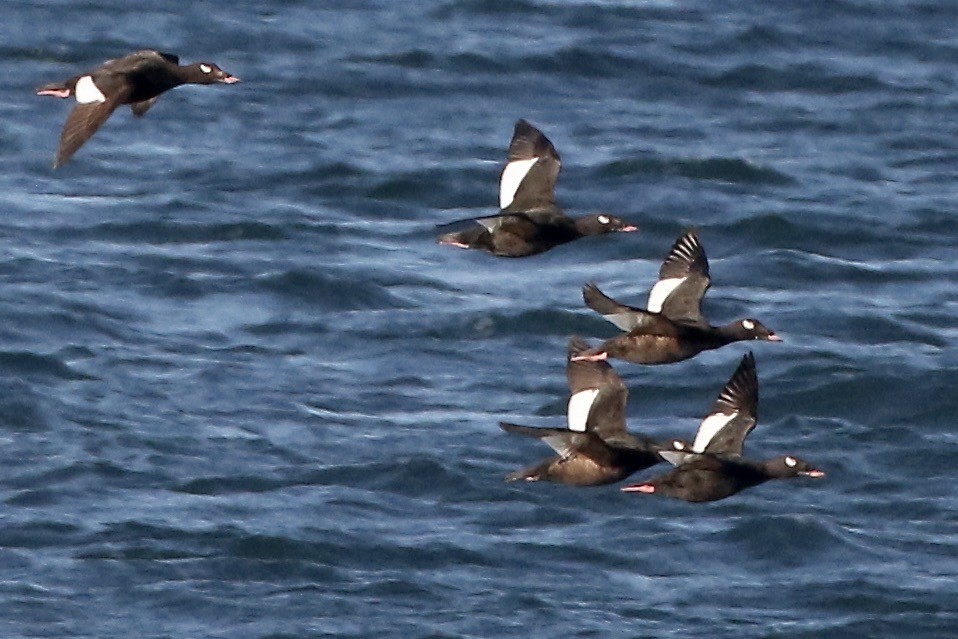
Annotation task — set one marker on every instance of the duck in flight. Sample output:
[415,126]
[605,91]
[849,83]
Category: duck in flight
[529,222]
[713,467]
[673,328]
[595,448]
[137,79]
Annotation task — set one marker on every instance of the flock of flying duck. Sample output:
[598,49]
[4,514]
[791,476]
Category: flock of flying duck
[595,447]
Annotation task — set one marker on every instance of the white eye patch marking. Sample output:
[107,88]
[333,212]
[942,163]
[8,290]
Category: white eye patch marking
[604,219]
[511,178]
[87,92]
[677,445]
[791,462]
[748,324]
[205,68]
[579,406]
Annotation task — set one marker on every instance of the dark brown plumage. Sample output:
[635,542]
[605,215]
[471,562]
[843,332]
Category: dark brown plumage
[137,79]
[673,328]
[713,477]
[529,222]
[596,448]
[714,468]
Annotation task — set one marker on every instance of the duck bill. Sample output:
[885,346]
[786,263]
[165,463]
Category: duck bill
[772,337]
[229,79]
[628,228]
[814,474]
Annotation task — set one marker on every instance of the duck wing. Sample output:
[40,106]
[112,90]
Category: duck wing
[623,316]
[683,281]
[565,443]
[137,61]
[83,122]
[140,108]
[528,179]
[733,415]
[597,395]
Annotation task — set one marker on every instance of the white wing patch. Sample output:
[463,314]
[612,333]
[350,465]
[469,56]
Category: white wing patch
[512,177]
[87,92]
[710,427]
[661,291]
[579,406]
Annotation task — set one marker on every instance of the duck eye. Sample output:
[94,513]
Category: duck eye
[748,324]
[604,219]
[205,68]
[791,462]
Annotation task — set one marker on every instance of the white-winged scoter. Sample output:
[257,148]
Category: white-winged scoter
[137,79]
[672,329]
[596,448]
[529,222]
[714,467]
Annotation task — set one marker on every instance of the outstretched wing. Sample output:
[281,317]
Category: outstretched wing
[597,395]
[683,281]
[136,61]
[490,223]
[562,441]
[733,415]
[527,181]
[625,317]
[140,108]
[82,123]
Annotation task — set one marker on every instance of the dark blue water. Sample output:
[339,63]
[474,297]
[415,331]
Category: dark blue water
[244,395]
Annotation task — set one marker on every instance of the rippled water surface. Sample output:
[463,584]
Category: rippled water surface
[243,394]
